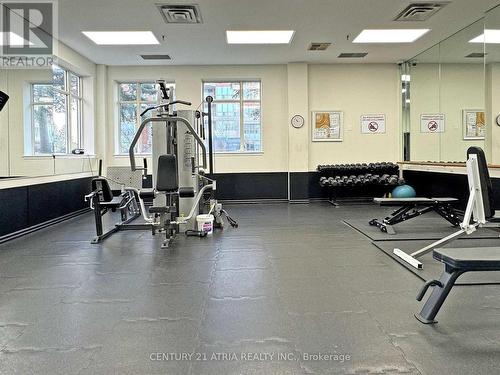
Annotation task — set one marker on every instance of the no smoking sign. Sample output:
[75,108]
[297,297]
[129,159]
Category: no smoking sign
[373,124]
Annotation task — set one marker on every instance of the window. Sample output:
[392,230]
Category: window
[134,97]
[236,115]
[56,114]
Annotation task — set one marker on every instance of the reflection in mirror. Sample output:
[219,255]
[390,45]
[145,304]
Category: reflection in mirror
[491,37]
[447,109]
[462,96]
[424,103]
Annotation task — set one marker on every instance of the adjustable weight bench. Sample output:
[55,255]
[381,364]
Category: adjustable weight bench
[479,213]
[413,207]
[456,263]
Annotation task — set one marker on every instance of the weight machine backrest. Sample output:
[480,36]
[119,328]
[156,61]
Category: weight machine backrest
[167,179]
[101,185]
[484,177]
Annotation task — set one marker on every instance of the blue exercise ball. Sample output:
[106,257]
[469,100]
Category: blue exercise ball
[404,191]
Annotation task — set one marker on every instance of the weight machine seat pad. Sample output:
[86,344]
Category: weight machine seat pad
[166,177]
[413,201]
[186,192]
[470,259]
[159,210]
[113,203]
[147,193]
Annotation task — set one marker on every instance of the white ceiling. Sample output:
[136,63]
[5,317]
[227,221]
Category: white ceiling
[203,44]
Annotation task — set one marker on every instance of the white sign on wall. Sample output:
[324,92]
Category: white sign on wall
[373,124]
[433,123]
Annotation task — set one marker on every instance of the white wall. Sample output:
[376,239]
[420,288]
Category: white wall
[16,114]
[188,81]
[356,89]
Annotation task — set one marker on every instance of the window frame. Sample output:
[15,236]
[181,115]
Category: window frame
[69,96]
[138,102]
[241,101]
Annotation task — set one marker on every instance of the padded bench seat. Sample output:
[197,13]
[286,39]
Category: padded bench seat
[147,194]
[184,192]
[457,261]
[413,201]
[113,203]
[470,258]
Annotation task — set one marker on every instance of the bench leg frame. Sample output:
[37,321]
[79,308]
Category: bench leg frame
[438,296]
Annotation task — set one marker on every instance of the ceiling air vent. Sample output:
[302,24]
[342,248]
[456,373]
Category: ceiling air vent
[477,55]
[180,13]
[352,55]
[420,11]
[156,57]
[319,46]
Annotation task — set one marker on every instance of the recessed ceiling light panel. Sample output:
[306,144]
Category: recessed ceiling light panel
[13,40]
[259,36]
[120,38]
[490,36]
[390,35]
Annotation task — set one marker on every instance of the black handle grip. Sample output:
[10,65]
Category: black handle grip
[426,286]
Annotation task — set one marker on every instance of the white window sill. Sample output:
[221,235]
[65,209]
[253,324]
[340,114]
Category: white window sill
[136,155]
[238,153]
[71,156]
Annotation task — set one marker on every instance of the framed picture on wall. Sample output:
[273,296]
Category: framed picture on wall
[327,126]
[474,124]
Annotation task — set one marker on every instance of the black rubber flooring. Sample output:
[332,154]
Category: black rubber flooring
[292,282]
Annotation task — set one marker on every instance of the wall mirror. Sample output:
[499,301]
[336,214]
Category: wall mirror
[444,106]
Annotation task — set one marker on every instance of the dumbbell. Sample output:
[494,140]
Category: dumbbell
[401,181]
[358,180]
[392,180]
[384,179]
[323,181]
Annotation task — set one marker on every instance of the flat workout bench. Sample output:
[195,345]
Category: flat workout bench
[456,262]
[413,207]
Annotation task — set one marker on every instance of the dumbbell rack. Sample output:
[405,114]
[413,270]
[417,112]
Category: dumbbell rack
[332,177]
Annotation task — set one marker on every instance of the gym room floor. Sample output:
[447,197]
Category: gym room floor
[293,279]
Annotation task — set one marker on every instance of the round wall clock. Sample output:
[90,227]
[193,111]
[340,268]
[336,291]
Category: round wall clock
[498,120]
[297,121]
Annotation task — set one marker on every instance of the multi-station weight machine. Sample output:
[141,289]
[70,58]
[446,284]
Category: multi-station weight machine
[181,189]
